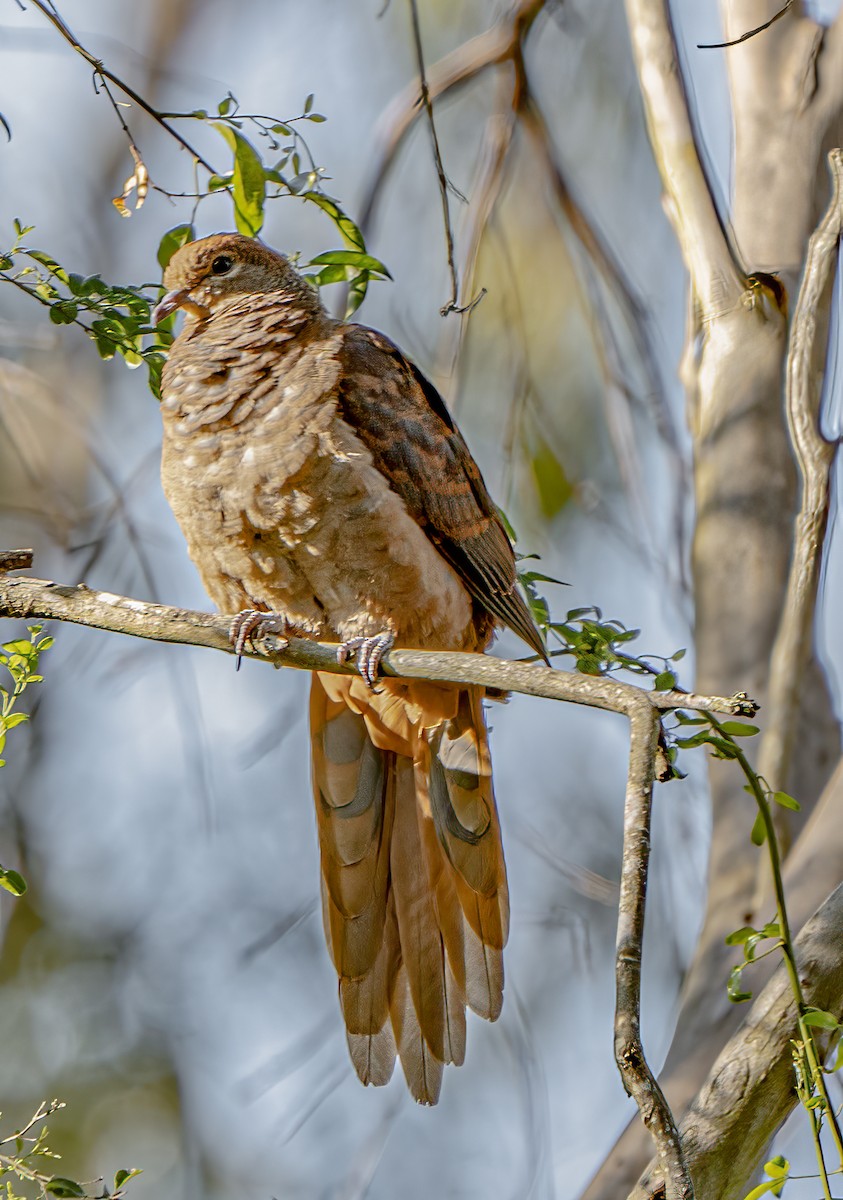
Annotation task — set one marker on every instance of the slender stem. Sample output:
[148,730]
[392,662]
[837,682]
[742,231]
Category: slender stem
[452,305]
[750,33]
[788,952]
[100,69]
[818,1150]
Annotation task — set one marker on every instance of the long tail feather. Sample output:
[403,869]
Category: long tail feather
[414,891]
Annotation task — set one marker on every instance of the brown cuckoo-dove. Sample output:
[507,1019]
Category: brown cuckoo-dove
[324,490]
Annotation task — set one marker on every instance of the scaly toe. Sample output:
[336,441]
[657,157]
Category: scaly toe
[251,625]
[369,652]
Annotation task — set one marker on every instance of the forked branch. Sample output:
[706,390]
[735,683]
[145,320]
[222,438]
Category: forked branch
[34,598]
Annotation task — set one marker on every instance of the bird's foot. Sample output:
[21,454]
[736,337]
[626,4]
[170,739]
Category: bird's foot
[368,651]
[251,626]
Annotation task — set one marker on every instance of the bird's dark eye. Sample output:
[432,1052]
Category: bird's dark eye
[222,264]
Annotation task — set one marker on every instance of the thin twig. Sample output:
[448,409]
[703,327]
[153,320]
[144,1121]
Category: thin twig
[485,193]
[453,303]
[814,456]
[100,69]
[749,34]
[638,1079]
[599,253]
[463,65]
[502,47]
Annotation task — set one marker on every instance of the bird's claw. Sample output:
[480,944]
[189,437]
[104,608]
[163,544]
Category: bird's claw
[368,651]
[252,626]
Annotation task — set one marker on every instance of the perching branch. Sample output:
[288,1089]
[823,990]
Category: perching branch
[41,599]
[34,598]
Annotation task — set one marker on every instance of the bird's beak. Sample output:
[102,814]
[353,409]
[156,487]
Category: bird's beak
[168,304]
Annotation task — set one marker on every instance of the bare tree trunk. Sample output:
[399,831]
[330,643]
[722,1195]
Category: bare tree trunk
[786,86]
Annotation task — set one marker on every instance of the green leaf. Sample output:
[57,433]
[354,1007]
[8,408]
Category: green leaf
[684,719]
[58,1186]
[124,1176]
[50,263]
[758,836]
[63,312]
[696,739]
[786,801]
[772,1187]
[352,258]
[739,729]
[751,944]
[778,1170]
[722,749]
[155,365]
[224,107]
[330,274]
[553,487]
[302,182]
[351,235]
[739,936]
[678,656]
[356,293]
[308,104]
[820,1019]
[317,118]
[20,646]
[733,987]
[624,635]
[172,241]
[507,524]
[249,184]
[12,881]
[537,577]
[665,681]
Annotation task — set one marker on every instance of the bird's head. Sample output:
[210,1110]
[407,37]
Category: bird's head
[203,274]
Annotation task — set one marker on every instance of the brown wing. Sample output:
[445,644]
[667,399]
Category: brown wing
[403,422]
